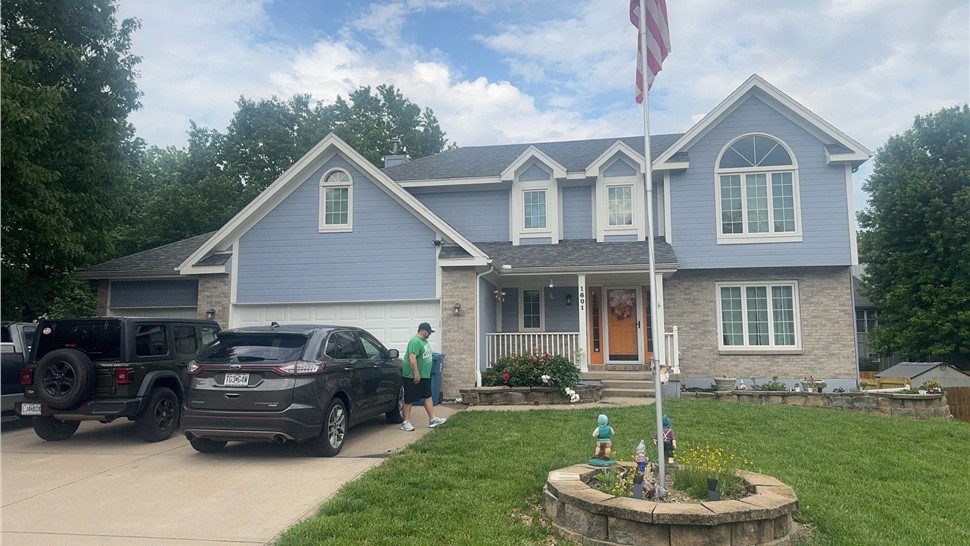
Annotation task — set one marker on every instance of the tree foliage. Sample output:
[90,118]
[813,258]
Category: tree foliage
[181,193]
[916,238]
[68,85]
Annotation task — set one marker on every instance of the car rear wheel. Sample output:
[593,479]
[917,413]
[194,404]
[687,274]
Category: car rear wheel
[396,415]
[64,378]
[331,439]
[54,430]
[160,417]
[205,445]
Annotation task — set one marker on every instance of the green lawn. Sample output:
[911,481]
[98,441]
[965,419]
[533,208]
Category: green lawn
[478,480]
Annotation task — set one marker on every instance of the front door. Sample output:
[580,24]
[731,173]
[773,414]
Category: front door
[622,321]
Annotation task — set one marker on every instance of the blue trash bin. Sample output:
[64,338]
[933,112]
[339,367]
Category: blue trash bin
[437,359]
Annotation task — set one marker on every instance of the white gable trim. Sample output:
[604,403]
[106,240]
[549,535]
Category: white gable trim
[618,147]
[774,98]
[296,175]
[558,171]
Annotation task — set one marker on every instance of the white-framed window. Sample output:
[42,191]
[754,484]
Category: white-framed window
[531,310]
[619,205]
[757,192]
[758,316]
[534,209]
[336,201]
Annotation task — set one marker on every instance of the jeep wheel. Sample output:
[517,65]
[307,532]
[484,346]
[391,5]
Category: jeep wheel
[205,445]
[160,417]
[396,415]
[64,378]
[331,439]
[54,430]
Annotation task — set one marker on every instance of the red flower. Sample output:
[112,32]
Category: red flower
[532,358]
[506,376]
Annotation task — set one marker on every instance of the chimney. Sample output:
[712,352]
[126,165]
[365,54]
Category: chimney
[396,157]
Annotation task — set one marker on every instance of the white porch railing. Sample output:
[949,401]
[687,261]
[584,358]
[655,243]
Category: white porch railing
[557,343]
[672,350]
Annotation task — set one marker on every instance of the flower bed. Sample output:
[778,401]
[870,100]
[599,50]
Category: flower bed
[512,396]
[580,512]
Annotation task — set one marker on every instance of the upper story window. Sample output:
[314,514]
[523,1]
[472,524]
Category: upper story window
[620,205]
[618,200]
[757,188]
[534,209]
[336,201]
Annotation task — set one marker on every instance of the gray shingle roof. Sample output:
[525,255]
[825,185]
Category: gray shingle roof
[577,253]
[909,369]
[158,261]
[484,161]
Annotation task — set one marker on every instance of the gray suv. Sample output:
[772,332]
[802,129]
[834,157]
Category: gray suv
[303,383]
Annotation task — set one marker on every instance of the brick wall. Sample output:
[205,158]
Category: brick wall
[103,288]
[827,328]
[458,333]
[214,294]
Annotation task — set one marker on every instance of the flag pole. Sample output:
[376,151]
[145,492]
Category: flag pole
[658,337]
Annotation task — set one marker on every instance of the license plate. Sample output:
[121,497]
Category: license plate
[30,409]
[237,380]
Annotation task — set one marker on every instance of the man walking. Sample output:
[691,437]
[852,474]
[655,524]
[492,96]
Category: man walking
[417,377]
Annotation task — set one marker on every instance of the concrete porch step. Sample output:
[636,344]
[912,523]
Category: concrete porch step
[602,375]
[626,384]
[628,393]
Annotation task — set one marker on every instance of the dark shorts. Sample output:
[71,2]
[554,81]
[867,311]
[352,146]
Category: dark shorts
[413,393]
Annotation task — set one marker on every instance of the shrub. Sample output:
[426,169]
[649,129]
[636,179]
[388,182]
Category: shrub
[773,385]
[532,370]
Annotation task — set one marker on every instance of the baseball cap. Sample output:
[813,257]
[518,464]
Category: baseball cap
[425,326]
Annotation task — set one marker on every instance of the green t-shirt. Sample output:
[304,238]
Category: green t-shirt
[422,350]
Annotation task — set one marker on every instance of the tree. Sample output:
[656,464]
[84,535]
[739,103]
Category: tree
[67,89]
[181,193]
[916,238]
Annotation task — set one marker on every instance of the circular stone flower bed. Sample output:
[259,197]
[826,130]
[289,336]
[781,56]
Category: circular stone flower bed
[580,512]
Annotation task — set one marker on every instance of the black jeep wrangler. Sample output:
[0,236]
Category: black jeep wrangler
[110,367]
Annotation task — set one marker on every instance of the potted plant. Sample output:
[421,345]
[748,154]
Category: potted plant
[810,384]
[724,383]
[931,387]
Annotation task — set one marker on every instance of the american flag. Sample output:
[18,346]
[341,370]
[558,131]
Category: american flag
[658,40]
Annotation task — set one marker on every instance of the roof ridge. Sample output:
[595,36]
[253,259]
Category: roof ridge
[153,249]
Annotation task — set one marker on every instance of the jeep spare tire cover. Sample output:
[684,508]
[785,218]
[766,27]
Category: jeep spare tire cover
[64,378]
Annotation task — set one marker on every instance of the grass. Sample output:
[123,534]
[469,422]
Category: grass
[860,479]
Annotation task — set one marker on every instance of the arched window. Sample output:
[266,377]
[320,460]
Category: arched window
[336,201]
[757,188]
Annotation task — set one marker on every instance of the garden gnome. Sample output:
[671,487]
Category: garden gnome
[669,439]
[642,461]
[604,442]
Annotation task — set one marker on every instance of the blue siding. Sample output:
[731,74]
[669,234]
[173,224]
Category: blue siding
[824,206]
[619,238]
[389,254]
[577,213]
[481,216]
[486,318]
[168,293]
[535,241]
[559,316]
[620,168]
[510,310]
[534,172]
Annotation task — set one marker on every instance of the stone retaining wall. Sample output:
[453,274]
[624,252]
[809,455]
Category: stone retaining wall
[511,396]
[587,515]
[919,406]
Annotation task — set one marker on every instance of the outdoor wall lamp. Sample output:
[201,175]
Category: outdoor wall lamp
[499,295]
[569,299]
[210,314]
[457,309]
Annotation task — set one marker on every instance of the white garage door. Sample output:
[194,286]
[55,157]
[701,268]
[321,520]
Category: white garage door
[392,323]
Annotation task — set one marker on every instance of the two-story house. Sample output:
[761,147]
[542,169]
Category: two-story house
[514,248]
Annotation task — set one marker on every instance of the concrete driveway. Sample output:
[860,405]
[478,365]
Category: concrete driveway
[106,486]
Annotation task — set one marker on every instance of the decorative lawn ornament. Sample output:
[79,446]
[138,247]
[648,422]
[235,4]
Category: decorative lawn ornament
[604,442]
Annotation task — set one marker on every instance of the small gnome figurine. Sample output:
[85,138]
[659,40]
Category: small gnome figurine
[604,442]
[642,463]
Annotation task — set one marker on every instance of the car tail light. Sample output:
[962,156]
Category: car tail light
[194,367]
[123,376]
[300,367]
[27,377]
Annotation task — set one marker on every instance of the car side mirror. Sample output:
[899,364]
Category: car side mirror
[393,353]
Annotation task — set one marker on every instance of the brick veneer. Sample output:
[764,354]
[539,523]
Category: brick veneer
[103,288]
[827,328]
[458,332]
[214,294]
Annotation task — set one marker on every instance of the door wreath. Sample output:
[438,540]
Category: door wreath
[622,303]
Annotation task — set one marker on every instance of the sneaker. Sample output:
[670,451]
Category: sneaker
[437,421]
[407,426]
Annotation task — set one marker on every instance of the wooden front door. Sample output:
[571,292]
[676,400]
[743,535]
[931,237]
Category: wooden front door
[622,318]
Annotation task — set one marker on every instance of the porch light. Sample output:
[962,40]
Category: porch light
[499,295]
[569,299]
[551,285]
[457,309]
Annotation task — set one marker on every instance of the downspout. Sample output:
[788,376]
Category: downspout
[478,315]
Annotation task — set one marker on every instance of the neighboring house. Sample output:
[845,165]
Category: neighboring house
[866,318]
[542,246]
[921,372]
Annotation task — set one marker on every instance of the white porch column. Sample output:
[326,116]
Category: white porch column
[583,327]
[658,285]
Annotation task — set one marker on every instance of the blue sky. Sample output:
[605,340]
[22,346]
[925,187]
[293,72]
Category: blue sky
[503,71]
